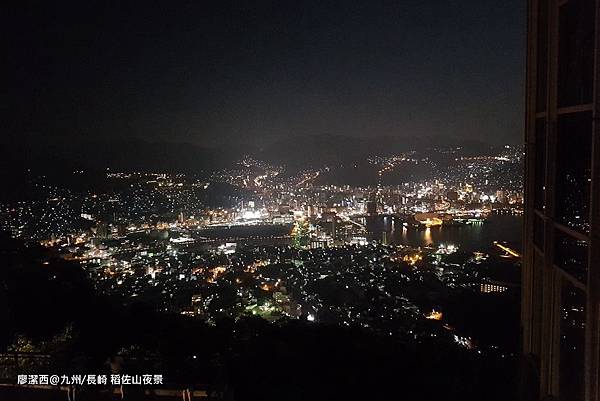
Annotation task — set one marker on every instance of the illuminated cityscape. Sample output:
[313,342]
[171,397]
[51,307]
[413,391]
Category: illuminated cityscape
[258,240]
[276,239]
[288,201]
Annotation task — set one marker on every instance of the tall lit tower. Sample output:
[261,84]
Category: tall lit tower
[561,270]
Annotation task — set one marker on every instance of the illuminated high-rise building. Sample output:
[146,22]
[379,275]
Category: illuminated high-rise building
[561,266]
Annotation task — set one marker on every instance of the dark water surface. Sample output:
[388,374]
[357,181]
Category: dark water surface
[478,236]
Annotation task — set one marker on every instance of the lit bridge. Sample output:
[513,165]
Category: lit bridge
[508,250]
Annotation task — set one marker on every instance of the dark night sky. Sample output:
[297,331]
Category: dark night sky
[214,72]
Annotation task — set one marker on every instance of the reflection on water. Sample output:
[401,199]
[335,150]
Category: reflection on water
[478,236]
[427,236]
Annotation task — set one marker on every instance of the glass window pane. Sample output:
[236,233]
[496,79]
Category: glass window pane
[573,170]
[576,52]
[572,342]
[571,255]
[540,163]
[536,310]
[542,56]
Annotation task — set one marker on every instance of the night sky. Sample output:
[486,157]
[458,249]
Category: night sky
[218,72]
